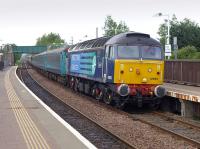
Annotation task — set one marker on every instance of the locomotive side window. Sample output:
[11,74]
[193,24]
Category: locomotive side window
[111,52]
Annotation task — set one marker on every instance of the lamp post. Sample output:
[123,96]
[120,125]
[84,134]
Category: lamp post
[167,46]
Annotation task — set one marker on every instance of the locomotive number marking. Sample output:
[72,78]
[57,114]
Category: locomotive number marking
[153,78]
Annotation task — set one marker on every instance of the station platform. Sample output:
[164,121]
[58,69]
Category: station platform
[184,92]
[26,122]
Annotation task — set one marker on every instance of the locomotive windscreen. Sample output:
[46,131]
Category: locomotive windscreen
[149,52]
[136,52]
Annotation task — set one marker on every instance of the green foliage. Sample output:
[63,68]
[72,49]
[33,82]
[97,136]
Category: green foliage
[188,52]
[162,31]
[17,57]
[112,28]
[197,55]
[50,39]
[186,31]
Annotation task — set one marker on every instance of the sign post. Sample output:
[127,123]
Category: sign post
[175,47]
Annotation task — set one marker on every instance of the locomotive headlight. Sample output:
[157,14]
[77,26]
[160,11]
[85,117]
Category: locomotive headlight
[131,69]
[149,70]
[144,80]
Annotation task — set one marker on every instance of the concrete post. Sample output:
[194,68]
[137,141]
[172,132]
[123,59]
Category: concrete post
[186,108]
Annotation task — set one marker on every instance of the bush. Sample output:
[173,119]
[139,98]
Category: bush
[188,52]
[197,55]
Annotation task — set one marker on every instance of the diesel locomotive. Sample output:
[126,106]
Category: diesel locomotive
[126,68]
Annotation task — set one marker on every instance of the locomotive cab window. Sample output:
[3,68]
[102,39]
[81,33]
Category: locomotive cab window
[149,52]
[128,52]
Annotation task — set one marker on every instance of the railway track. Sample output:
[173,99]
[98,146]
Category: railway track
[157,120]
[182,129]
[94,132]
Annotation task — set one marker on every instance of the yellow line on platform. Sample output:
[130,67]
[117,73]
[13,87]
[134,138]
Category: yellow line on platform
[30,132]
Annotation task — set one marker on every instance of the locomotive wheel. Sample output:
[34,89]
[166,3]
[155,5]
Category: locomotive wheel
[154,106]
[72,83]
[108,97]
[93,92]
[120,104]
[97,93]
[76,85]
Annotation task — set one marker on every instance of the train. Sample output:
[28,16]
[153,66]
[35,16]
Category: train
[125,68]
[1,61]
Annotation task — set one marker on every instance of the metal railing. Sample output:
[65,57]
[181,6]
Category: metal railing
[183,71]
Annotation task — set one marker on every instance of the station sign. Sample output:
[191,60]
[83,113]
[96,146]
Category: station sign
[168,51]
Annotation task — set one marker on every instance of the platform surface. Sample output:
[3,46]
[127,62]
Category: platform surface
[25,123]
[185,92]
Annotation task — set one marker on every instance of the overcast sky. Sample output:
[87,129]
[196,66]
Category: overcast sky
[23,21]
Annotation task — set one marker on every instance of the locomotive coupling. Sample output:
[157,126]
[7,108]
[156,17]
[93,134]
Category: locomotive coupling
[159,91]
[123,90]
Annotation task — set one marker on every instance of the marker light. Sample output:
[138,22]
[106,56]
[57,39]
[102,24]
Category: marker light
[137,71]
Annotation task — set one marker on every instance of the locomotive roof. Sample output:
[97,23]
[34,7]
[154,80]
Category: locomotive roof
[131,38]
[128,38]
[89,44]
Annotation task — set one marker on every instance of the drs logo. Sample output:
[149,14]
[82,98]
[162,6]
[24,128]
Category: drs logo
[84,63]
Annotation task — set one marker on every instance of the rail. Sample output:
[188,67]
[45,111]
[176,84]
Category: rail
[118,138]
[173,126]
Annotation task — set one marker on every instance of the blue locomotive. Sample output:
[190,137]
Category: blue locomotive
[128,67]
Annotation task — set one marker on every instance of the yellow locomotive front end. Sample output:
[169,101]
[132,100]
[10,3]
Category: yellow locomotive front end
[139,70]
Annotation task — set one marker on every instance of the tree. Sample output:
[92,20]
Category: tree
[163,29]
[50,39]
[186,31]
[112,28]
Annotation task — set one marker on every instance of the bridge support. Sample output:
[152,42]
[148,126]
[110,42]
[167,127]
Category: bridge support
[187,108]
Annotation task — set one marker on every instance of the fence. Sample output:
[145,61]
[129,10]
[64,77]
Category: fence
[182,71]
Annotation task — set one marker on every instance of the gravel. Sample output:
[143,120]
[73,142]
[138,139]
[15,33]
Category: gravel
[133,131]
